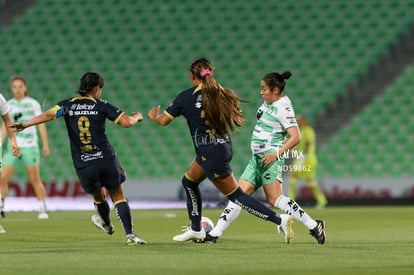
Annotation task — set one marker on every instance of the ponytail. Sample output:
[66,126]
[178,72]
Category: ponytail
[277,80]
[221,105]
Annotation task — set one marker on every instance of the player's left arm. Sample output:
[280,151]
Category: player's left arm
[291,142]
[42,118]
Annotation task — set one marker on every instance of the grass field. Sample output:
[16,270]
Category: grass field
[369,240]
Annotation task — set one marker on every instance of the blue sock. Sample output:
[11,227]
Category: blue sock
[253,206]
[193,202]
[124,215]
[103,211]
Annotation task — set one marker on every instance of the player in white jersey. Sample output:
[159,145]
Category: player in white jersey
[22,109]
[4,112]
[276,132]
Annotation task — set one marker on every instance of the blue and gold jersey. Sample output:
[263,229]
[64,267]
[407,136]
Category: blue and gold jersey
[85,121]
[189,104]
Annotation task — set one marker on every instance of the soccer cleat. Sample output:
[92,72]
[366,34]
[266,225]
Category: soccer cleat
[210,239]
[2,231]
[133,239]
[43,216]
[190,235]
[100,224]
[286,227]
[319,232]
[2,214]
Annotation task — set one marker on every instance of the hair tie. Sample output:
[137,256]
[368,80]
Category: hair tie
[205,72]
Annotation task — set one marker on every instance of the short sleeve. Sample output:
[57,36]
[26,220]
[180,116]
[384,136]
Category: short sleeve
[286,116]
[37,109]
[59,108]
[4,107]
[112,113]
[176,108]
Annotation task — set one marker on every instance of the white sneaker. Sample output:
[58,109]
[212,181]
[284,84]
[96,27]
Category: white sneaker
[133,239]
[286,227]
[190,235]
[43,216]
[100,224]
[2,231]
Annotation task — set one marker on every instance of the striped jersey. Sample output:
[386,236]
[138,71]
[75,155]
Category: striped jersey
[23,111]
[4,109]
[273,120]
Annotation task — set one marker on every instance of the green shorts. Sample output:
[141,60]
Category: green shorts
[29,155]
[257,174]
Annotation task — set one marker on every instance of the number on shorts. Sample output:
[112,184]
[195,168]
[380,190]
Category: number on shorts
[85,135]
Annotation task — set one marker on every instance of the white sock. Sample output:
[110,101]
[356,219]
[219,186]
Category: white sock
[230,213]
[1,204]
[291,207]
[42,205]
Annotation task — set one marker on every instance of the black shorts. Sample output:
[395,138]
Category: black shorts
[105,173]
[215,160]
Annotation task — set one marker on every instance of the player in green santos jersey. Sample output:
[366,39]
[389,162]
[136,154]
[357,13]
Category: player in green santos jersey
[4,113]
[22,109]
[275,133]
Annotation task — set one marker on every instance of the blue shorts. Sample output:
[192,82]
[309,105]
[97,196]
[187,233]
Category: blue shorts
[106,173]
[215,160]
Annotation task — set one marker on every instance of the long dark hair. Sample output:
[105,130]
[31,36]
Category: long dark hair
[276,80]
[89,81]
[221,105]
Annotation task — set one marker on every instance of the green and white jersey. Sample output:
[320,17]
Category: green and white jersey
[23,111]
[4,109]
[273,120]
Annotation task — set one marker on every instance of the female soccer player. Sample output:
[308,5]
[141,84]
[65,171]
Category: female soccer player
[305,167]
[212,111]
[4,112]
[275,122]
[23,108]
[94,158]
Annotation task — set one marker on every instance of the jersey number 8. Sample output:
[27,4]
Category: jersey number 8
[85,135]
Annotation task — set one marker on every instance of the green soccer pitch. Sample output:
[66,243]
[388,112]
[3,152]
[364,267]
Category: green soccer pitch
[360,240]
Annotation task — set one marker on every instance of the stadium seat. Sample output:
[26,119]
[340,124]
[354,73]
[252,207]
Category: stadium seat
[143,49]
[379,138]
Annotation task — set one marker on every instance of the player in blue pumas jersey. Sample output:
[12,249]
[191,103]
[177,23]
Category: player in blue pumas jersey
[212,113]
[94,158]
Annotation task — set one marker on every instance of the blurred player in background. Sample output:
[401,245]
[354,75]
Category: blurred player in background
[4,112]
[305,166]
[22,109]
[94,158]
[276,132]
[212,112]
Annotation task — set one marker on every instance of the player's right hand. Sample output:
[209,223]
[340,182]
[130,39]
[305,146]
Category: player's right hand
[17,127]
[15,149]
[138,116]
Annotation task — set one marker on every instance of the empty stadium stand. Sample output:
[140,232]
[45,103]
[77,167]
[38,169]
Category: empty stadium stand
[144,48]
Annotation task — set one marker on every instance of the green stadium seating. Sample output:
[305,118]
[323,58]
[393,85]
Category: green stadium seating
[143,49]
[378,141]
